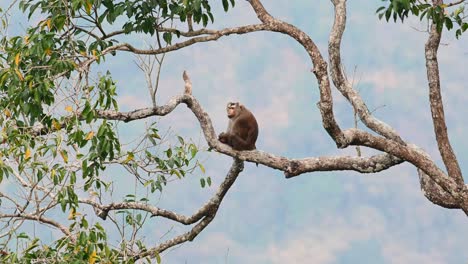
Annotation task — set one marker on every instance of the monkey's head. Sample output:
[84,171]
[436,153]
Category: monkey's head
[234,109]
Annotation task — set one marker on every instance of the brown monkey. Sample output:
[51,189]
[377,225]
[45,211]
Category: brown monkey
[242,131]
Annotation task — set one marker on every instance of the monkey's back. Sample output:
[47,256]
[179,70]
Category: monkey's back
[248,128]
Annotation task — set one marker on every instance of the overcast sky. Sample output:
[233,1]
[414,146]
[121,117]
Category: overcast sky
[323,217]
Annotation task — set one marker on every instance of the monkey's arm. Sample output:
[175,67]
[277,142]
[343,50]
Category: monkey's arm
[223,137]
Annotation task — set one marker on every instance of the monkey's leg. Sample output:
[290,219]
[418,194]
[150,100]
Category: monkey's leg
[238,143]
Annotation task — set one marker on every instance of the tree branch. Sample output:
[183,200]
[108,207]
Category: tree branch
[208,211]
[346,89]
[435,193]
[291,167]
[43,220]
[437,107]
[215,36]
[415,156]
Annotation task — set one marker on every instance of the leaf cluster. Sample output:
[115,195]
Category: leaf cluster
[438,14]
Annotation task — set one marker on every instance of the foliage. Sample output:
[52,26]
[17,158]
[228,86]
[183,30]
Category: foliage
[51,133]
[439,14]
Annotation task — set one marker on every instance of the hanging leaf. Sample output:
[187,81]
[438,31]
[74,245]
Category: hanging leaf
[20,75]
[17,59]
[201,168]
[64,155]
[90,135]
[88,7]
[27,154]
[92,257]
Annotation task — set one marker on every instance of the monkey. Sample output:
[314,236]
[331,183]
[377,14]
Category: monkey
[242,131]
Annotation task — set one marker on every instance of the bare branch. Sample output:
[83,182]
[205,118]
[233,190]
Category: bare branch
[437,107]
[455,3]
[343,85]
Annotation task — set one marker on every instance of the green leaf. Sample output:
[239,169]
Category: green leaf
[380,9]
[158,258]
[169,152]
[202,182]
[225,5]
[181,140]
[205,20]
[193,150]
[464,27]
[388,13]
[167,36]
[448,23]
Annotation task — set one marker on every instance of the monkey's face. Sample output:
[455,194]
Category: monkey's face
[232,109]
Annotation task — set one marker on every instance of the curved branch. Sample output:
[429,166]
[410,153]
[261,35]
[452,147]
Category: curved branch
[320,69]
[208,211]
[437,107]
[346,89]
[418,158]
[212,205]
[435,193]
[291,167]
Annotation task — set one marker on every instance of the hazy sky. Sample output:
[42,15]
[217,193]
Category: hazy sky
[323,217]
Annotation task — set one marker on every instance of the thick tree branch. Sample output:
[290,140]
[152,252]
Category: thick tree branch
[291,167]
[434,193]
[418,158]
[437,107]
